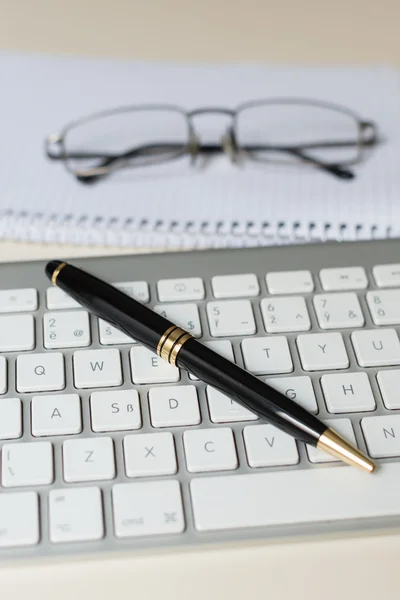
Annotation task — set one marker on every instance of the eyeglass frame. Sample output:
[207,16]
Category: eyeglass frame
[229,144]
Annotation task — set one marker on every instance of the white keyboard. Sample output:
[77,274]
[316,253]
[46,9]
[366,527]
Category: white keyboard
[106,446]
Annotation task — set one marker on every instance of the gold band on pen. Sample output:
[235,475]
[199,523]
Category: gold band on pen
[163,338]
[177,348]
[56,272]
[171,343]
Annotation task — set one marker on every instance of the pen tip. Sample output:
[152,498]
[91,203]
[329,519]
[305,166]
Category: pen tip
[332,443]
[51,267]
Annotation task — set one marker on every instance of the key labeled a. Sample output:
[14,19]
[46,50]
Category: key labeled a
[56,415]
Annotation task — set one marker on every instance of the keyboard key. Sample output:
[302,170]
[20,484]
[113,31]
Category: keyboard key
[17,333]
[21,300]
[267,446]
[210,450]
[149,454]
[90,459]
[343,428]
[235,286]
[66,329]
[232,317]
[97,368]
[115,410]
[75,515]
[322,351]
[3,375]
[175,290]
[285,314]
[348,392]
[110,335]
[343,278]
[44,372]
[299,389]
[376,347]
[337,311]
[56,415]
[265,355]
[139,290]
[27,463]
[384,306]
[222,347]
[10,418]
[387,275]
[147,367]
[174,406]
[57,299]
[183,315]
[389,385]
[289,282]
[382,435]
[147,508]
[225,410]
[264,499]
[19,519]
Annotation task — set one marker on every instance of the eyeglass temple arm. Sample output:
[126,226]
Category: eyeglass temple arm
[336,170]
[151,149]
[214,148]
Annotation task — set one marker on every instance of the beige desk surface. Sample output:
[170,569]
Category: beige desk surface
[292,31]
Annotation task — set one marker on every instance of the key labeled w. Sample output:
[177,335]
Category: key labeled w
[97,365]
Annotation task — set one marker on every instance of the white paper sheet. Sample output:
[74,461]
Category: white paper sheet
[209,204]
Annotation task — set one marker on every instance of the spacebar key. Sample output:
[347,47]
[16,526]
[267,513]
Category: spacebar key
[328,494]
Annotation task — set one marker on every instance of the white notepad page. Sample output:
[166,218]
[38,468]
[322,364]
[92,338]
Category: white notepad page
[177,204]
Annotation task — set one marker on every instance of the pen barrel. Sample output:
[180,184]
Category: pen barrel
[178,347]
[251,392]
[107,302]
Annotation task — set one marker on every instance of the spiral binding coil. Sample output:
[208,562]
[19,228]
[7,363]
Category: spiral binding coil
[116,231]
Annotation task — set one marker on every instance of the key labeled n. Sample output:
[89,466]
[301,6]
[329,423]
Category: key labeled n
[389,432]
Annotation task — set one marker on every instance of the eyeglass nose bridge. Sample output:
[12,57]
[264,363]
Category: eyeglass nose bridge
[229,145]
[193,146]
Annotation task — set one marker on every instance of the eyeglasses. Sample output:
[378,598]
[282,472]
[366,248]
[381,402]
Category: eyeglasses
[284,130]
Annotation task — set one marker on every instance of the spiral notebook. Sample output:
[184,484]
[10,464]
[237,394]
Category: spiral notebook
[178,205]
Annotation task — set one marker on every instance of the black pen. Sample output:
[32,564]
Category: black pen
[179,348]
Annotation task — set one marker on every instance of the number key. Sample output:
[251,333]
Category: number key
[183,315]
[232,317]
[336,311]
[66,329]
[283,314]
[110,335]
[384,306]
